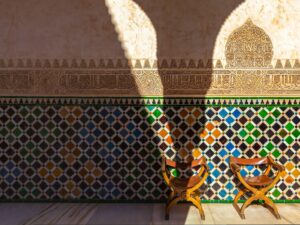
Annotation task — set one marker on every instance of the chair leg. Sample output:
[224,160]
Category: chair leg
[245,205]
[197,202]
[171,196]
[236,199]
[169,205]
[271,205]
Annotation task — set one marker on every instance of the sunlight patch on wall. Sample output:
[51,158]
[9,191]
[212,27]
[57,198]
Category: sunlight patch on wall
[279,19]
[138,38]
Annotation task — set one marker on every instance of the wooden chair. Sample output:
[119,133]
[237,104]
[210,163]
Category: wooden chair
[184,189]
[258,185]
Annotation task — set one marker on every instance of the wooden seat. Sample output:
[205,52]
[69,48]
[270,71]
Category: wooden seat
[257,186]
[185,182]
[184,189]
[261,180]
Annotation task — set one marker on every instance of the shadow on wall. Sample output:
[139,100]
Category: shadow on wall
[186,30]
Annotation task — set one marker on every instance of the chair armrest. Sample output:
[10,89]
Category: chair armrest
[164,170]
[276,165]
[163,163]
[204,164]
[235,167]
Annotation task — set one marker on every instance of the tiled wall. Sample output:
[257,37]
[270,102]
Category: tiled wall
[53,149]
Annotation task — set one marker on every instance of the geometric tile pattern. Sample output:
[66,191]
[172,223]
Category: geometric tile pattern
[94,151]
[153,101]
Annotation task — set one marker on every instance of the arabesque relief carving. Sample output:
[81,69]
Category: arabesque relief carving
[248,46]
[248,70]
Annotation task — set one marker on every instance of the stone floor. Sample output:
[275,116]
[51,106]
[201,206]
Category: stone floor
[75,213]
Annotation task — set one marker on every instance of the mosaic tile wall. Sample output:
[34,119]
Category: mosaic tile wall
[92,151]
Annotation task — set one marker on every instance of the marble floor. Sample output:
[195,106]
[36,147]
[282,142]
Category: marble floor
[93,214]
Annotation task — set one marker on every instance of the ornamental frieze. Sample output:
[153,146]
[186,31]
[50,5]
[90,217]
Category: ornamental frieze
[248,70]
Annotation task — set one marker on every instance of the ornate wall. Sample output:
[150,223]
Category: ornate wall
[93,91]
[149,48]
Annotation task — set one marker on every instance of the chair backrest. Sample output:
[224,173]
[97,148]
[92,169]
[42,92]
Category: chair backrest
[254,161]
[183,166]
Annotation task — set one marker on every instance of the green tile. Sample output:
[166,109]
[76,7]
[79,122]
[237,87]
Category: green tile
[37,112]
[130,166]
[30,118]
[36,192]
[23,152]
[143,152]
[289,126]
[243,133]
[296,133]
[136,172]
[44,132]
[270,146]
[263,153]
[276,193]
[123,172]
[3,131]
[143,112]
[263,113]
[17,132]
[156,193]
[276,153]
[270,120]
[23,192]
[250,126]
[157,113]
[50,125]
[174,172]
[10,139]
[149,186]
[30,185]
[50,139]
[276,113]
[150,159]
[37,152]
[10,125]
[150,119]
[57,132]
[29,159]
[289,140]
[129,179]
[30,145]
[256,133]
[157,153]
[142,192]
[23,112]
[150,146]
[249,140]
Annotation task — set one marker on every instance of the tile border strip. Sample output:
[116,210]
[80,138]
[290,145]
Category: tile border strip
[295,201]
[152,101]
[138,63]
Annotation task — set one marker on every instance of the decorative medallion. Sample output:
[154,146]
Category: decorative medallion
[248,46]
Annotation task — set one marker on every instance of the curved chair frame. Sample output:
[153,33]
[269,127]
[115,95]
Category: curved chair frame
[184,194]
[258,192]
